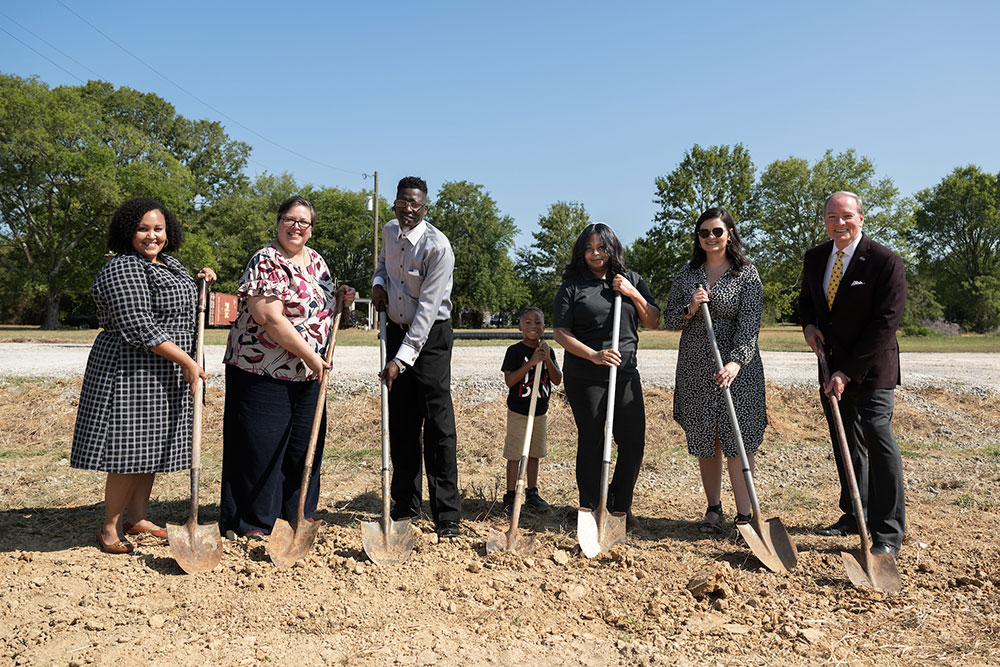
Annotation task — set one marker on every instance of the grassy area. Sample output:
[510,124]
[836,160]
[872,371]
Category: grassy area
[774,339]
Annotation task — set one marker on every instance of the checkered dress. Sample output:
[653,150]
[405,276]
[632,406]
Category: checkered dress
[135,408]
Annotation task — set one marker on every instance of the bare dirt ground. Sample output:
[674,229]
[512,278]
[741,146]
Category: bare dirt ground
[66,603]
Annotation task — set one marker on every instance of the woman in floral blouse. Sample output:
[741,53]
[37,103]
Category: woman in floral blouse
[274,356]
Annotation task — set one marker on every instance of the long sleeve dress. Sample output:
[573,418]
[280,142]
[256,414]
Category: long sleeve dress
[736,303]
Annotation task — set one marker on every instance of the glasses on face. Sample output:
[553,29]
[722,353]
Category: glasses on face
[408,205]
[298,224]
[717,232]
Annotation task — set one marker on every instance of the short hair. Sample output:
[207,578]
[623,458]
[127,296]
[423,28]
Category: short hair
[126,219]
[530,309]
[412,182]
[616,260]
[292,202]
[734,248]
[857,199]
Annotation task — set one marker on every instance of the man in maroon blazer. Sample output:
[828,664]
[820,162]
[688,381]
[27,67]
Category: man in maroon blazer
[852,300]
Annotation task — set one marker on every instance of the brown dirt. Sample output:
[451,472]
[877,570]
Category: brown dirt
[66,603]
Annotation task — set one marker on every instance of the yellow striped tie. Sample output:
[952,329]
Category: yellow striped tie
[835,275]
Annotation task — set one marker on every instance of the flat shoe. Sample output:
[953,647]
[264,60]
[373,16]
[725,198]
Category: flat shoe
[119,547]
[132,529]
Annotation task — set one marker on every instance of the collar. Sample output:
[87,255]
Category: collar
[414,235]
[849,250]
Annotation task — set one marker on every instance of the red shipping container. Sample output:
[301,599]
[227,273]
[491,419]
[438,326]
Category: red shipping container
[221,309]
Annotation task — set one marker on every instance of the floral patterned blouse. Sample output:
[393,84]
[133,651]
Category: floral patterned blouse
[308,295]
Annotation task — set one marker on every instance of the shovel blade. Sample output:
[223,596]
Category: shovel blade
[286,545]
[390,547]
[512,540]
[881,573]
[772,546]
[195,548]
[599,531]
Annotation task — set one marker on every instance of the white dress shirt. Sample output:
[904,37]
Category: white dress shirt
[848,253]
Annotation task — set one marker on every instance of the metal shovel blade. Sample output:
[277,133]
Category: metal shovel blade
[599,531]
[195,548]
[880,574]
[512,540]
[387,547]
[287,545]
[772,545]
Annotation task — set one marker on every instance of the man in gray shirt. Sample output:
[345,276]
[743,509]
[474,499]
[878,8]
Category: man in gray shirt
[413,285]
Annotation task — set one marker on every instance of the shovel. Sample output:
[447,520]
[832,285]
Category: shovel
[599,530]
[287,544]
[513,540]
[196,548]
[864,569]
[770,543]
[386,542]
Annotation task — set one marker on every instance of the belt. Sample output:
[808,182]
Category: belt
[406,327]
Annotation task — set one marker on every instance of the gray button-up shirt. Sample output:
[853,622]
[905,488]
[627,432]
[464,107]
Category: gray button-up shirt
[415,268]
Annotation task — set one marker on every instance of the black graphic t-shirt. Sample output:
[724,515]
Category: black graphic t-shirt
[519,396]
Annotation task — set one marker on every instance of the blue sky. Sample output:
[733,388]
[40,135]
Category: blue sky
[545,101]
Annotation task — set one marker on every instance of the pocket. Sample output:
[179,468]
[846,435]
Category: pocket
[414,273]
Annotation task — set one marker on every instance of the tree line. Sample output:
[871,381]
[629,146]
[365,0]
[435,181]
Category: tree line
[69,155]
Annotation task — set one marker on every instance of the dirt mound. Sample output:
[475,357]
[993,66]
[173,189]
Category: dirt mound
[671,595]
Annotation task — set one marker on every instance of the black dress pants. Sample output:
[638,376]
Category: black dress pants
[878,466]
[589,399]
[422,421]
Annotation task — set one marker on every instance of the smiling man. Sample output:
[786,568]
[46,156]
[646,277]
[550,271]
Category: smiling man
[413,285]
[852,301]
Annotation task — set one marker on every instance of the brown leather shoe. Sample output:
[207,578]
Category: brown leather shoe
[119,547]
[132,529]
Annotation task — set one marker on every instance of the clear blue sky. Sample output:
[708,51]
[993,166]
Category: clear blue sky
[546,101]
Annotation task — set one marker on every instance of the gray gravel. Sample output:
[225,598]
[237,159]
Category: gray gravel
[476,370]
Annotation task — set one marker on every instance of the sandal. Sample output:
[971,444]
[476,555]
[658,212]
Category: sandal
[711,527]
[741,520]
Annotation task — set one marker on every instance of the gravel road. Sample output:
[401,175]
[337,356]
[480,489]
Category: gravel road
[478,368]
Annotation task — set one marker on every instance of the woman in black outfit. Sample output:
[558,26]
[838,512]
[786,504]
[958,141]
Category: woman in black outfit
[582,324]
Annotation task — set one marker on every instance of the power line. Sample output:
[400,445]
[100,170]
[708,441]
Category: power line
[50,45]
[195,97]
[44,56]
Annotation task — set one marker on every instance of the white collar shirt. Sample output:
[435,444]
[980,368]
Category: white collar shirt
[844,263]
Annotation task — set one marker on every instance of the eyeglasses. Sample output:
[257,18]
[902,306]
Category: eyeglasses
[298,224]
[717,232]
[408,205]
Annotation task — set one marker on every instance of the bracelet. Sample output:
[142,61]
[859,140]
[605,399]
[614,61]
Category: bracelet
[400,365]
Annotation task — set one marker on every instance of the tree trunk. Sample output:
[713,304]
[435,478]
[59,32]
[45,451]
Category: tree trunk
[52,310]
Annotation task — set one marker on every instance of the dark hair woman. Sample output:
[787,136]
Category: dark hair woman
[719,275]
[134,418]
[274,356]
[582,324]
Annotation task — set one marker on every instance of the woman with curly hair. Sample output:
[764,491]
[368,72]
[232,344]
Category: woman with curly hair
[134,417]
[274,357]
[582,323]
[721,276]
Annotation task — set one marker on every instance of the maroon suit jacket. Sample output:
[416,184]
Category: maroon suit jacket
[860,328]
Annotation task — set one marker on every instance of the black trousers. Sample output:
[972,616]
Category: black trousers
[589,399]
[878,466]
[265,437]
[422,421]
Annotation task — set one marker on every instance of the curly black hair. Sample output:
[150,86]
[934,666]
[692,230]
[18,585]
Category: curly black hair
[127,218]
[412,182]
[734,248]
[616,259]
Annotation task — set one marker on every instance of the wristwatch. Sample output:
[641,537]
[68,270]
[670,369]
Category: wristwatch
[400,365]
[687,310]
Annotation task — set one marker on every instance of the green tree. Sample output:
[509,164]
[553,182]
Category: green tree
[541,264]
[787,213]
[705,177]
[481,237]
[956,233]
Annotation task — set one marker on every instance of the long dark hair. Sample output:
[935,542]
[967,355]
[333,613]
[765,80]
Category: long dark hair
[616,261]
[734,248]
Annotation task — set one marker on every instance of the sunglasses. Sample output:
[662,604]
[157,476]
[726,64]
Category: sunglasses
[717,232]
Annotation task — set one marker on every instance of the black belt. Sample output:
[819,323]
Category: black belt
[406,327]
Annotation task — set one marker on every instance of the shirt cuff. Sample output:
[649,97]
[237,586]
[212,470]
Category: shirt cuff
[407,354]
[377,280]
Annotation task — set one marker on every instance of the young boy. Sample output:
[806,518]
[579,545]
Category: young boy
[518,365]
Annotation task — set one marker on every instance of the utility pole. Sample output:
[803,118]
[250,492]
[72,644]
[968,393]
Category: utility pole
[376,230]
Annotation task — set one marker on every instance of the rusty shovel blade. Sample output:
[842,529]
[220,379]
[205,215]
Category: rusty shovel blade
[598,531]
[868,571]
[387,547]
[286,545]
[513,540]
[195,548]
[771,545]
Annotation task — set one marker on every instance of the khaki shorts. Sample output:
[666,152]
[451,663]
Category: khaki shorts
[514,442]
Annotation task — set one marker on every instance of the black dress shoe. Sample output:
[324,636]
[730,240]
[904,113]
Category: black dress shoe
[883,548]
[846,525]
[449,529]
[397,515]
